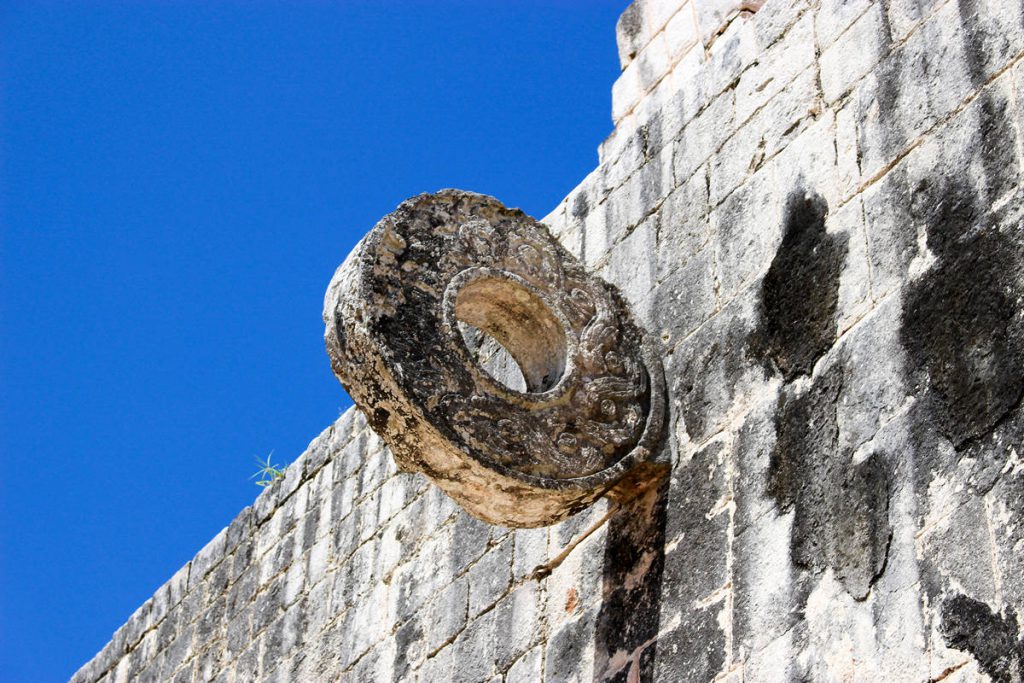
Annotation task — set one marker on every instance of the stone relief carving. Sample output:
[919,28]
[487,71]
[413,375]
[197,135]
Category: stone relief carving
[594,399]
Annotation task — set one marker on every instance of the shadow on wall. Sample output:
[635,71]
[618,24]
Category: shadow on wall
[634,563]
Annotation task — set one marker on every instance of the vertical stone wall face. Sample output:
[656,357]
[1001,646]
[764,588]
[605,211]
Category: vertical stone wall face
[818,209]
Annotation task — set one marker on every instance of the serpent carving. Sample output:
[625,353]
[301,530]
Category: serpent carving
[397,313]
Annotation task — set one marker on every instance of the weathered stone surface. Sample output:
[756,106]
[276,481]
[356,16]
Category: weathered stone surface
[828,244]
[593,403]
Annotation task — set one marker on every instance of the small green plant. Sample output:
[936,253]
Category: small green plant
[268,473]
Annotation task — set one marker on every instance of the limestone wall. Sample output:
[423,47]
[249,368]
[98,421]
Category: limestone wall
[817,208]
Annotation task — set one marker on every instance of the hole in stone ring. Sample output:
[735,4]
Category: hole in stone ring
[521,325]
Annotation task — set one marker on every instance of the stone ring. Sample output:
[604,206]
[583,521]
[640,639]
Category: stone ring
[580,402]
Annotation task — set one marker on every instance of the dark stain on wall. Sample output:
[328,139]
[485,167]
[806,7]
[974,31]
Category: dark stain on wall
[580,206]
[841,509]
[800,292]
[631,20]
[983,46]
[649,136]
[992,639]
[994,137]
[634,561]
[963,324]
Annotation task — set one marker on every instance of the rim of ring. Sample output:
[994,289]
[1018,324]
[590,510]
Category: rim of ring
[529,398]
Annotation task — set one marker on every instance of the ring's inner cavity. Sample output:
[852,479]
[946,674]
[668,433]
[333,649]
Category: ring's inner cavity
[521,324]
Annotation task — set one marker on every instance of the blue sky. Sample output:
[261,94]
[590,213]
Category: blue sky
[178,181]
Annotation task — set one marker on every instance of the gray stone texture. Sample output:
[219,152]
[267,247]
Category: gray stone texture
[816,210]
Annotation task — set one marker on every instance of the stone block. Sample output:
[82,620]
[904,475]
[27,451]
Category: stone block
[893,105]
[598,234]
[569,651]
[710,374]
[470,539]
[760,139]
[318,452]
[282,638]
[702,136]
[808,163]
[294,582]
[692,649]
[771,26]
[317,607]
[981,143]
[752,446]
[832,18]
[177,653]
[343,444]
[854,291]
[439,667]
[239,530]
[693,91]
[411,588]
[765,583]
[697,532]
[516,624]
[343,497]
[653,63]
[713,15]
[683,225]
[623,152]
[657,119]
[847,152]
[657,13]
[490,578]
[271,531]
[958,550]
[241,592]
[892,234]
[530,551]
[277,559]
[774,70]
[685,299]
[631,267]
[627,91]
[681,32]
[409,648]
[733,53]
[473,651]
[874,391]
[211,622]
[364,625]
[576,585]
[854,53]
[747,228]
[447,614]
[631,33]
[906,16]
[1004,504]
[377,664]
[527,669]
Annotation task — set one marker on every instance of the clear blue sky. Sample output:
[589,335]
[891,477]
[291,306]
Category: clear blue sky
[178,181]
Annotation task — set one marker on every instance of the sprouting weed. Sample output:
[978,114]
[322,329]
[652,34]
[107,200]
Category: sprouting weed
[267,472]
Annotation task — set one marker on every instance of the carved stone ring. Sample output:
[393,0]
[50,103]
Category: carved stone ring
[404,316]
